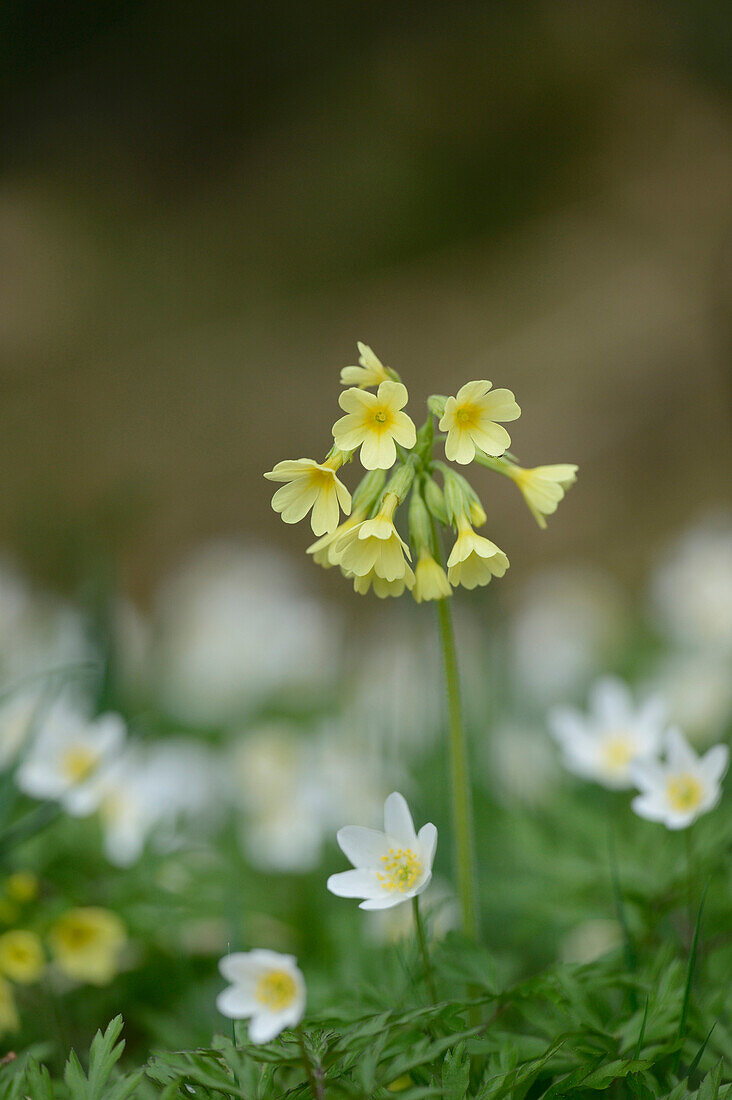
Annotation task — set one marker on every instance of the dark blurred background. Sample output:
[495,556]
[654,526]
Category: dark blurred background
[204,206]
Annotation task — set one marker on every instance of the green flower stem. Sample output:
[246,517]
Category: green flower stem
[689,848]
[462,810]
[419,928]
[314,1081]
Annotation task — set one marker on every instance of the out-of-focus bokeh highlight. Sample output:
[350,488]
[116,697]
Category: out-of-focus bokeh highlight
[202,210]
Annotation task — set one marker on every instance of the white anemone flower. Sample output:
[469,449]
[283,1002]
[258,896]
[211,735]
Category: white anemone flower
[18,711]
[267,988]
[678,790]
[155,792]
[603,744]
[212,615]
[389,867]
[691,588]
[69,748]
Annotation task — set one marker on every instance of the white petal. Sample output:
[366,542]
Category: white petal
[387,901]
[427,841]
[648,775]
[236,1003]
[398,820]
[714,763]
[566,725]
[354,884]
[364,847]
[420,889]
[611,701]
[649,806]
[679,752]
[263,958]
[266,1026]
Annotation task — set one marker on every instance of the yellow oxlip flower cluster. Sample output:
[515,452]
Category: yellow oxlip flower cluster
[366,544]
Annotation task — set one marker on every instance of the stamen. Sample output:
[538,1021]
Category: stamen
[402,869]
[275,989]
[684,792]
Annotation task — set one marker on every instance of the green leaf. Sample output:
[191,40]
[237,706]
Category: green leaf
[456,1073]
[38,1081]
[709,1089]
[104,1054]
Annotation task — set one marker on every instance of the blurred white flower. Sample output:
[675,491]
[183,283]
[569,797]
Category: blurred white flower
[697,689]
[271,774]
[440,911]
[591,940]
[390,866]
[678,790]
[507,748]
[691,589]
[68,748]
[18,710]
[267,988]
[397,701]
[38,632]
[604,743]
[235,626]
[569,622]
[155,791]
[293,790]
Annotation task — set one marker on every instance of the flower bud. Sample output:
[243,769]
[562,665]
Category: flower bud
[420,529]
[435,501]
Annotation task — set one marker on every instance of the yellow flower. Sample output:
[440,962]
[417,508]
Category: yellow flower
[323,550]
[22,886]
[474,560]
[375,545]
[309,485]
[469,420]
[374,422]
[9,1020]
[371,372]
[21,956]
[543,487]
[431,580]
[383,588]
[86,944]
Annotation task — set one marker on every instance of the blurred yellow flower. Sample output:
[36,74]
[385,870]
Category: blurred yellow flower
[371,372]
[22,886]
[311,484]
[375,545]
[431,581]
[474,560]
[543,487]
[470,421]
[375,423]
[21,956]
[9,1020]
[86,944]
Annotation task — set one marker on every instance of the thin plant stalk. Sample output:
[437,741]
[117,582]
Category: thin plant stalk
[462,803]
[314,1082]
[689,851]
[421,940]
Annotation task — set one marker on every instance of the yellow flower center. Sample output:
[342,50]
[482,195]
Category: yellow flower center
[684,792]
[402,868]
[77,935]
[617,752]
[275,989]
[78,762]
[464,415]
[380,417]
